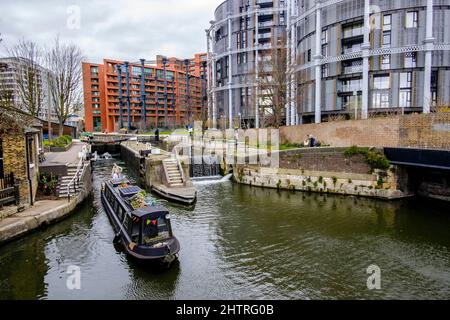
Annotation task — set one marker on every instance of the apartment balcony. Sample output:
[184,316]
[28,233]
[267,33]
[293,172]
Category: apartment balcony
[352,69]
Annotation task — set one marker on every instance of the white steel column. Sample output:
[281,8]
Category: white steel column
[366,53]
[257,68]
[213,77]
[208,73]
[230,75]
[292,103]
[318,58]
[288,61]
[429,44]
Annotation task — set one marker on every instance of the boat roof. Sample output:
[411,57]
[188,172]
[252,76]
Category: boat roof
[154,211]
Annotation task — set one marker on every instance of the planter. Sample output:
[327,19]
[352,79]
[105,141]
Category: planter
[61,149]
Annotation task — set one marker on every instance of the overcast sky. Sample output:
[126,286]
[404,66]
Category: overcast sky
[116,29]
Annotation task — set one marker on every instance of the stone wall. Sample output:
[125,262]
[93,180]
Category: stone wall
[367,185]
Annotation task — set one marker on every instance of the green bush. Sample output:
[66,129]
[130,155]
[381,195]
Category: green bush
[59,142]
[47,183]
[375,160]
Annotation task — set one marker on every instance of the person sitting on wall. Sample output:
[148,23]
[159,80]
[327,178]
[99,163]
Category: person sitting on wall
[307,142]
[313,142]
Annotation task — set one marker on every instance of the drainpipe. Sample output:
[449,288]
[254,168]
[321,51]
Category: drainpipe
[156,100]
[164,61]
[119,70]
[127,75]
[143,110]
[188,89]
[27,153]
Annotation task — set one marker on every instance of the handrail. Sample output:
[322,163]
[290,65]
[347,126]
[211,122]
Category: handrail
[76,178]
[180,167]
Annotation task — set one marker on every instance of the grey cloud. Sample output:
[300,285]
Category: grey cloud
[112,29]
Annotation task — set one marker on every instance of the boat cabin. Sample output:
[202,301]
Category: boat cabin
[147,226]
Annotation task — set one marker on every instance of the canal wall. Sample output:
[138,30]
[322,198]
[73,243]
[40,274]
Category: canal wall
[324,170]
[44,213]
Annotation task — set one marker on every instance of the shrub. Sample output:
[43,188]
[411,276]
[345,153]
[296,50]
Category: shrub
[375,160]
[47,183]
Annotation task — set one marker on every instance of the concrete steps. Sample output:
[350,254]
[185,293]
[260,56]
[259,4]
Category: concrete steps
[173,173]
[63,183]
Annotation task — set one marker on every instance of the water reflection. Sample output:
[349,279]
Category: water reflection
[241,242]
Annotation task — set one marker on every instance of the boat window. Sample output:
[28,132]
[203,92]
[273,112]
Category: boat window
[120,213]
[154,230]
[116,206]
[135,231]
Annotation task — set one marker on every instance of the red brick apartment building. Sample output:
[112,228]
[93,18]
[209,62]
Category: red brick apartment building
[166,102]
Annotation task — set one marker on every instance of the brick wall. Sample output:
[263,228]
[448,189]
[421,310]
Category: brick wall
[415,131]
[425,131]
[14,155]
[383,132]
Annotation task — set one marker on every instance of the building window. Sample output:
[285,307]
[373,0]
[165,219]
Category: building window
[434,87]
[406,83]
[381,82]
[380,95]
[325,43]
[385,62]
[412,19]
[387,22]
[325,70]
[410,60]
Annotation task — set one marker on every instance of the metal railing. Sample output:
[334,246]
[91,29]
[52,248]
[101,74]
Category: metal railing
[75,182]
[180,167]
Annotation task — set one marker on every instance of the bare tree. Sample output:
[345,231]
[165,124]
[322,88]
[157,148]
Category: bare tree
[272,85]
[64,62]
[27,56]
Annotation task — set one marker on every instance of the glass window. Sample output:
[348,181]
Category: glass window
[386,39]
[410,60]
[412,19]
[381,82]
[405,98]
[406,80]
[387,22]
[154,230]
[380,100]
[385,62]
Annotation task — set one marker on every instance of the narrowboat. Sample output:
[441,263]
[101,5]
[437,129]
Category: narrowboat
[142,228]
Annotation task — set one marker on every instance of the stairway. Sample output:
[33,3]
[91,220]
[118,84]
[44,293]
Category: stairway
[63,182]
[173,173]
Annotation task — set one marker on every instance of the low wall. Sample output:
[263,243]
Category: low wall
[382,132]
[24,223]
[415,130]
[365,185]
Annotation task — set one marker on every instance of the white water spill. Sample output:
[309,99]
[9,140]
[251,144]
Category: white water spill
[211,180]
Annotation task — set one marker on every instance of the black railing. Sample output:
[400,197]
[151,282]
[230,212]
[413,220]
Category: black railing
[9,190]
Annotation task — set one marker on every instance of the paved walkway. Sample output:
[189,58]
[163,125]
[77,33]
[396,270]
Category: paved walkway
[62,158]
[30,218]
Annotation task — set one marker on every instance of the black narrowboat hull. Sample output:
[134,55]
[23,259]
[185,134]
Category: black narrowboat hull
[159,258]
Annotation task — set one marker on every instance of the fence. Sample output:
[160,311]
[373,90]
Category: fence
[9,191]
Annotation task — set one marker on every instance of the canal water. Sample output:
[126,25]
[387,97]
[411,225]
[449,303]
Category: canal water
[242,242]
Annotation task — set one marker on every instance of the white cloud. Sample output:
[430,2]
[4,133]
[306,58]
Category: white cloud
[119,29]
